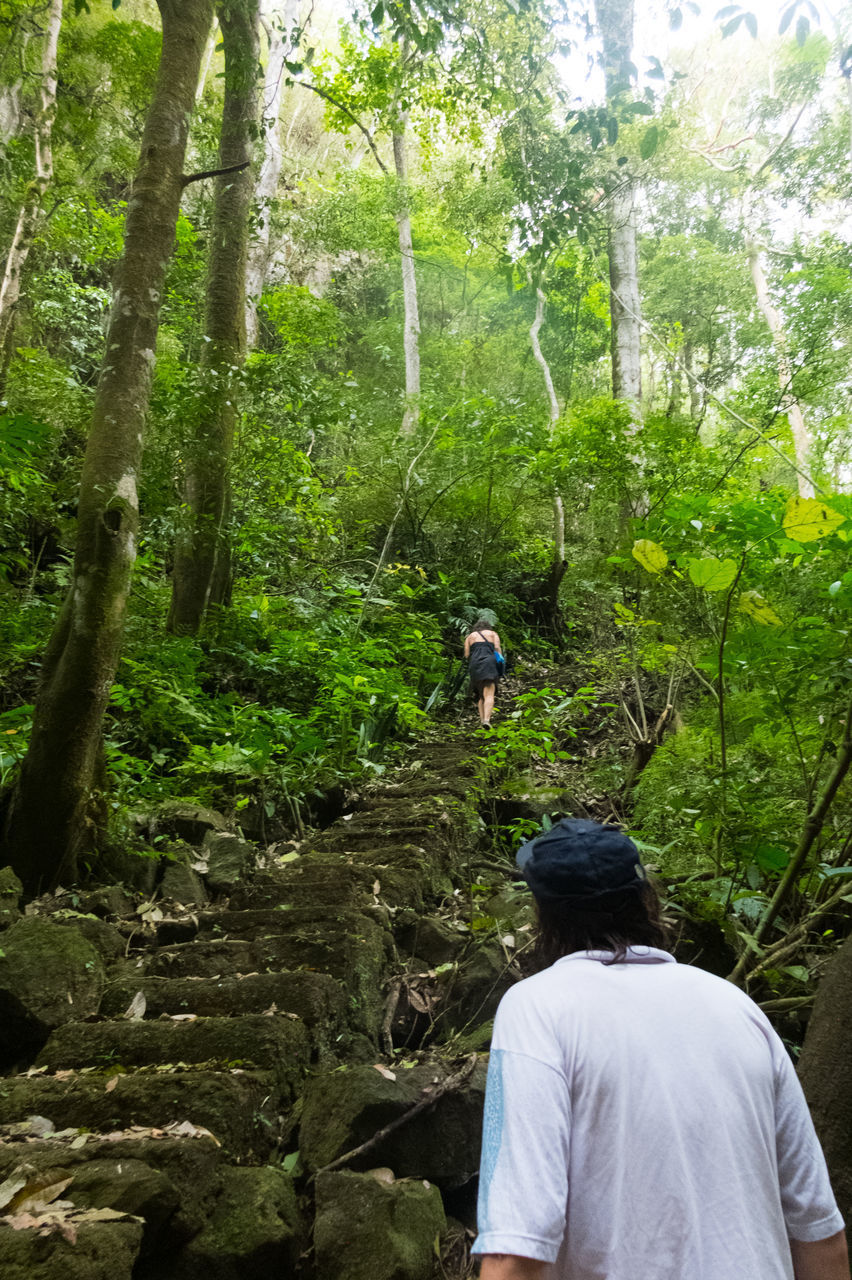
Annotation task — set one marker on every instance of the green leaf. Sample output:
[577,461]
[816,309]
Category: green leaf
[730,27]
[803,30]
[751,22]
[676,19]
[650,555]
[711,574]
[755,607]
[770,858]
[807,519]
[798,971]
[648,145]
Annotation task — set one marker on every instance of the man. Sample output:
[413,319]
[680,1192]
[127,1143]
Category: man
[642,1119]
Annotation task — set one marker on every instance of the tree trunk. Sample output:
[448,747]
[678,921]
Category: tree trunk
[202,562]
[279,35]
[29,215]
[411,331]
[51,814]
[802,442]
[625,306]
[553,409]
[825,1070]
[615,24]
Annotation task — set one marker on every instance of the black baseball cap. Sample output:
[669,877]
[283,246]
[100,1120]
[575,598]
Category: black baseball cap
[583,864]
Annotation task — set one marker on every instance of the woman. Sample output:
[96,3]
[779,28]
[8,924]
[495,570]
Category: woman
[479,649]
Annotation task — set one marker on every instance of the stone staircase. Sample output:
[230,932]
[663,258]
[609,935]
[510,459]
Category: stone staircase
[180,1125]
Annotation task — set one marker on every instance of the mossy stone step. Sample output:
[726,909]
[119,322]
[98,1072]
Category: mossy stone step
[408,874]
[254,1232]
[240,1109]
[101,1251]
[351,947]
[278,1044]
[305,883]
[272,922]
[171,1182]
[319,1000]
[201,959]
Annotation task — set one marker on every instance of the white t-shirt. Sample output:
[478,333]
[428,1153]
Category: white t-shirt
[644,1122]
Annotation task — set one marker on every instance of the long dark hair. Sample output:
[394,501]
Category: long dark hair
[636,922]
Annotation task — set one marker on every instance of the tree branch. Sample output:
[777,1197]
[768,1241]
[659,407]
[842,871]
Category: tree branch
[212,173]
[350,116]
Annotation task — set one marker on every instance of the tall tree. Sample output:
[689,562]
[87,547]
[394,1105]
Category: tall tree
[30,212]
[802,443]
[615,25]
[202,562]
[53,813]
[280,23]
[379,82]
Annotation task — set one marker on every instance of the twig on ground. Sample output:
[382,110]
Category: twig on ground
[390,1013]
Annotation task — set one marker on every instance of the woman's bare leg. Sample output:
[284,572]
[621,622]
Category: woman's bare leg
[487,703]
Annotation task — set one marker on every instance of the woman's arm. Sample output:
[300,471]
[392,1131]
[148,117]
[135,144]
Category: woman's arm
[812,1259]
[505,1266]
[467,647]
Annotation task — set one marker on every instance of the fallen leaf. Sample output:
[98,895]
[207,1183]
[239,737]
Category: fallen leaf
[135,1011]
[35,1196]
[383,1071]
[268,1013]
[377,888]
[386,1176]
[10,1188]
[111,1083]
[418,1001]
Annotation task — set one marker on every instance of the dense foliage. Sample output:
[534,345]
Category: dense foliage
[705,606]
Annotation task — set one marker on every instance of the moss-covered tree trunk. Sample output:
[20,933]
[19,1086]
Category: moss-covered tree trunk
[51,816]
[202,560]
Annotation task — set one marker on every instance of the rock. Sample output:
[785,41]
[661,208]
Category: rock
[342,1109]
[184,820]
[106,939]
[49,975]
[110,900]
[430,939]
[128,1185]
[474,991]
[182,884]
[255,1231]
[229,860]
[101,1251]
[369,1229]
[11,890]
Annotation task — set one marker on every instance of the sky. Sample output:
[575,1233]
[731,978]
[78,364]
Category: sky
[653,36]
